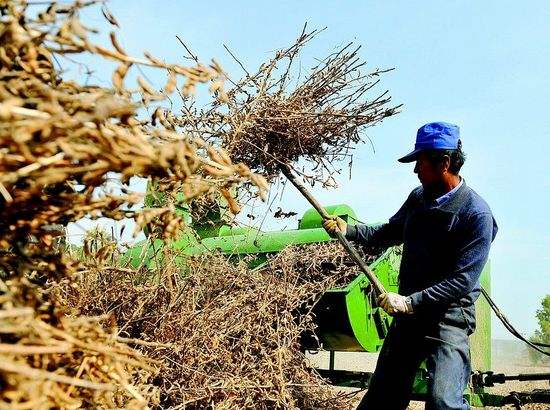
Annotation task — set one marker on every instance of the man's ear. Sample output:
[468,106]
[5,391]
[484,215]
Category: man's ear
[445,164]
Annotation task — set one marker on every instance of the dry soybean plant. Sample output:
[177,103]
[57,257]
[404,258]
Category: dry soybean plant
[92,333]
[57,134]
[265,120]
[228,336]
[58,140]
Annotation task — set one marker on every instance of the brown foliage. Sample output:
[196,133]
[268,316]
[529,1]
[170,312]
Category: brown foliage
[228,336]
[54,136]
[220,333]
[264,120]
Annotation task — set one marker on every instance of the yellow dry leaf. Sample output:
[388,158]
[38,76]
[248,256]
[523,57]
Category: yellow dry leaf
[223,97]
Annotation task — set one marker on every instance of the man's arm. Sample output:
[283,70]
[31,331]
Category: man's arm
[385,235]
[472,257]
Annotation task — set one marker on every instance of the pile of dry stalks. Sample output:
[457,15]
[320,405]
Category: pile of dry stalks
[68,363]
[218,334]
[58,134]
[58,140]
[228,336]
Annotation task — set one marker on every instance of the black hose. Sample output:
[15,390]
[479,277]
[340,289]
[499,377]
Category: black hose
[534,345]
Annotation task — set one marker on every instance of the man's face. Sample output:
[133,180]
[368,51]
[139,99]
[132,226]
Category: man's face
[430,175]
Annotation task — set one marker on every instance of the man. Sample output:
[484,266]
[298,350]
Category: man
[446,230]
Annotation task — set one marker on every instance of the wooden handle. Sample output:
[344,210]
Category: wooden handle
[377,285]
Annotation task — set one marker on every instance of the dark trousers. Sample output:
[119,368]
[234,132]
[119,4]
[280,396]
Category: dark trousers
[443,341]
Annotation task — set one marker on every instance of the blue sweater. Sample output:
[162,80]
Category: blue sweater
[445,247]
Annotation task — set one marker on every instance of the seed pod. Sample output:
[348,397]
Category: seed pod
[216,171]
[234,207]
[171,83]
[108,15]
[225,157]
[115,43]
[153,59]
[214,155]
[158,114]
[77,29]
[119,74]
[145,86]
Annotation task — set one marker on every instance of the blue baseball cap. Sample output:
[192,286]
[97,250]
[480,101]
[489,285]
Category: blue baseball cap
[434,135]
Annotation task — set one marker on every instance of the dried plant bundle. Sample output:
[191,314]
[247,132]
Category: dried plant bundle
[91,332]
[68,362]
[58,141]
[264,120]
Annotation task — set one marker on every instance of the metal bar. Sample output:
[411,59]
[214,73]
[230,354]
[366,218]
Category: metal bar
[529,376]
[377,285]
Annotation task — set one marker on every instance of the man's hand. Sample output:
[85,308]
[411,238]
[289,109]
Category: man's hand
[394,303]
[335,224]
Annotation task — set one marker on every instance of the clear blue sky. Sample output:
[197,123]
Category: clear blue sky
[482,65]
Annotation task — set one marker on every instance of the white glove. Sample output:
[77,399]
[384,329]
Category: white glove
[394,303]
